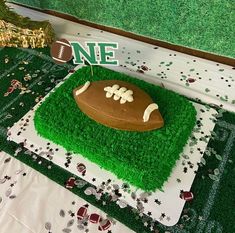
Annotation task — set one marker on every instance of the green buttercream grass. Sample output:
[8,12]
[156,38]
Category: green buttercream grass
[144,159]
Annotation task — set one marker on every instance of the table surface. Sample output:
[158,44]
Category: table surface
[27,198]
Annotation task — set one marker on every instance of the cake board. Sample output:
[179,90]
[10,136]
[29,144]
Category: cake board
[163,205]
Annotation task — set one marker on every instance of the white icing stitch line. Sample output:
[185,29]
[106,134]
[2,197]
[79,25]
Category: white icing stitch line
[61,51]
[63,43]
[149,110]
[119,93]
[83,89]
[57,59]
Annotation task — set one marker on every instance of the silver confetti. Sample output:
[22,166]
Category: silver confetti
[48,226]
[70,223]
[133,195]
[48,89]
[80,183]
[28,152]
[8,192]
[218,157]
[144,195]
[114,197]
[12,197]
[203,161]
[140,206]
[98,196]
[8,116]
[122,203]
[116,186]
[66,230]
[89,191]
[50,153]
[2,181]
[62,213]
[18,171]
[17,151]
[80,227]
[216,171]
[213,177]
[41,154]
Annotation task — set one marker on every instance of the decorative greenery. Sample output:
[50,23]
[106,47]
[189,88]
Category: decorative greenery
[145,159]
[18,24]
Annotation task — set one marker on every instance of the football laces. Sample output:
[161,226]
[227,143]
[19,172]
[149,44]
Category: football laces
[119,93]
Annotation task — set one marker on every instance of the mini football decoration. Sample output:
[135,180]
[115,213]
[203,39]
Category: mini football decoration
[104,225]
[187,196]
[61,51]
[118,104]
[94,218]
[81,168]
[82,212]
[70,183]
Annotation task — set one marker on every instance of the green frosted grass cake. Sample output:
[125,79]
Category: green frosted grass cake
[144,159]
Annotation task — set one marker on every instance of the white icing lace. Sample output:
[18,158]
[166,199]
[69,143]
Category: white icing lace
[119,93]
[83,88]
[148,111]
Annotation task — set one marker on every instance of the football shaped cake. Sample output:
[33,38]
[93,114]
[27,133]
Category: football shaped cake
[118,104]
[116,121]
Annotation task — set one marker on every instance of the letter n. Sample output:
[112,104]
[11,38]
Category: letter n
[79,50]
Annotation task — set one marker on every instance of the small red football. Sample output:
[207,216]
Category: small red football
[82,212]
[187,196]
[118,104]
[70,183]
[61,51]
[81,168]
[104,225]
[95,218]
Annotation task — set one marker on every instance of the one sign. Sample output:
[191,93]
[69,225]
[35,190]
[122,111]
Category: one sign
[62,51]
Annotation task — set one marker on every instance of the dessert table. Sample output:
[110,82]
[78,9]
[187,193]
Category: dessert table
[43,195]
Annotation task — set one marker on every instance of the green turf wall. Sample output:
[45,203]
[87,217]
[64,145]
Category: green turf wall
[207,25]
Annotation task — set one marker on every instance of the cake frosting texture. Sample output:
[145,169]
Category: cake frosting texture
[143,159]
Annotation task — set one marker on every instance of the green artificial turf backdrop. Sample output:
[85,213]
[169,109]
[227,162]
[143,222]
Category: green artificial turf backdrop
[146,161]
[212,208]
[202,25]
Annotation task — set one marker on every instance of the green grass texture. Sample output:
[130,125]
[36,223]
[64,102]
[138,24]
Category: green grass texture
[144,159]
[202,25]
